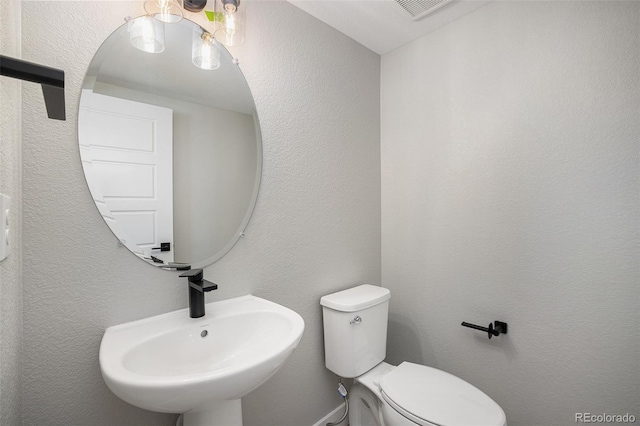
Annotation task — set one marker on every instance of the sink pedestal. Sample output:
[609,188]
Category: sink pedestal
[218,413]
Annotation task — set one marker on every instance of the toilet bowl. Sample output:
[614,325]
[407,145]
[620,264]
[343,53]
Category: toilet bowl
[355,335]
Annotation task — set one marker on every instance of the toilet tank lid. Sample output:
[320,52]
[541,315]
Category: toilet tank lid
[356,298]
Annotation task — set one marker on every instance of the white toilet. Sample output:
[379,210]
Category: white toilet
[355,341]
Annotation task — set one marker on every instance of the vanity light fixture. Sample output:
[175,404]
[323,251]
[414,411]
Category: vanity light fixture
[169,11]
[194,5]
[231,20]
[205,53]
[146,34]
[227,18]
[227,24]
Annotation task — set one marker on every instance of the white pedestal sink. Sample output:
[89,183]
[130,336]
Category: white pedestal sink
[201,367]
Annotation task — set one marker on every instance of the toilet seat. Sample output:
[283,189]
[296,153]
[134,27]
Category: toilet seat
[428,396]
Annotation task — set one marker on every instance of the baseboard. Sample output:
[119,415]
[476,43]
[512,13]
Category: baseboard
[333,416]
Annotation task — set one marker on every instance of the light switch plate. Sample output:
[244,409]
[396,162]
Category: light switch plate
[5,248]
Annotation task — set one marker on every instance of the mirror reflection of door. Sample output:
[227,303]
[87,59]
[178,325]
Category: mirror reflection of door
[130,147]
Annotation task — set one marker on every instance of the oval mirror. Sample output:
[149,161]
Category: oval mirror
[171,152]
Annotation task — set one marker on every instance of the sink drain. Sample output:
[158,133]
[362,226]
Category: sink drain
[204,333]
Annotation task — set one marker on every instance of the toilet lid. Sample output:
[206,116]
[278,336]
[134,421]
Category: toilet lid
[426,395]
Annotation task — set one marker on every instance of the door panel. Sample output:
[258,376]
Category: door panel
[132,140]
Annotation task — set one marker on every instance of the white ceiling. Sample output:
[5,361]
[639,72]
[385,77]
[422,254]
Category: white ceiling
[382,25]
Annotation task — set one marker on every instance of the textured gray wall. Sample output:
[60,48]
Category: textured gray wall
[11,184]
[510,143]
[316,227]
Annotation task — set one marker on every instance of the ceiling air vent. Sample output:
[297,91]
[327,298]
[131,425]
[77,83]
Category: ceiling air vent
[418,9]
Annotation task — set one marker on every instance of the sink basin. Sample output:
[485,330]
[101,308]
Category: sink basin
[176,364]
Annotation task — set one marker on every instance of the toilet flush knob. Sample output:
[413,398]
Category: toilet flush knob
[356,320]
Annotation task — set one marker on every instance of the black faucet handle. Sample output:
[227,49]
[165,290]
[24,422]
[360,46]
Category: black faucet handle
[203,286]
[197,281]
[194,275]
[208,286]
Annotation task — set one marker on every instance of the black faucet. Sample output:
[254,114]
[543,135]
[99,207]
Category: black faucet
[197,287]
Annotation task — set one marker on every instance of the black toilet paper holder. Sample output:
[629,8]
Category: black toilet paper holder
[495,329]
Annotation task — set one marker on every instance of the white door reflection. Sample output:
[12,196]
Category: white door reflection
[127,152]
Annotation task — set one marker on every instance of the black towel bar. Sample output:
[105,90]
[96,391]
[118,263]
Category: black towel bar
[51,80]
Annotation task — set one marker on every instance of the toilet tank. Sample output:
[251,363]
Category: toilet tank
[355,329]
